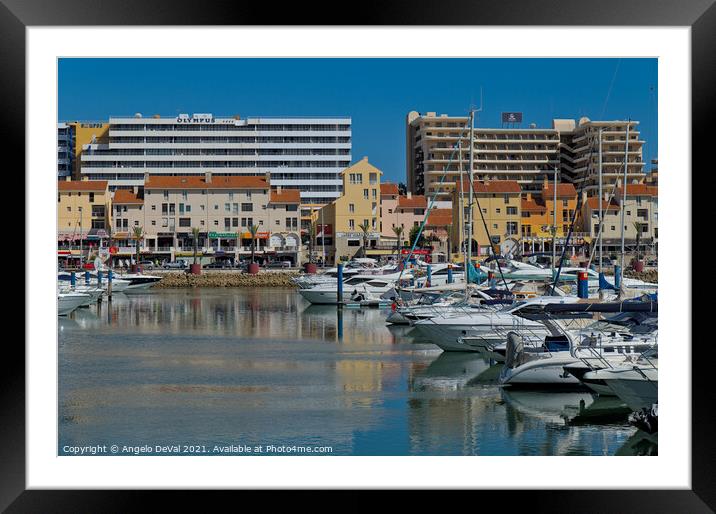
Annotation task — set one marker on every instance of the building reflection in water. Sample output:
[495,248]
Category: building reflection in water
[224,365]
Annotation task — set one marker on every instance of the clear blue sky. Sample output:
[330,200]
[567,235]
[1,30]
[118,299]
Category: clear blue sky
[376,93]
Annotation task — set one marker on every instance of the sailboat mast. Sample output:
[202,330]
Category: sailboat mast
[554,223]
[601,199]
[624,191]
[469,174]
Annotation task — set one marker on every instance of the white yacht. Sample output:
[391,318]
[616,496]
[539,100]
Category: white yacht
[635,383]
[547,368]
[118,285]
[138,282]
[371,284]
[69,301]
[486,326]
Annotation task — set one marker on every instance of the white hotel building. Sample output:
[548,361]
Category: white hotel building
[299,153]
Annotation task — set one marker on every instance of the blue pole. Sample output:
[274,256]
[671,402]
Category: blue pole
[430,275]
[73,279]
[110,275]
[99,278]
[450,279]
[87,278]
[339,297]
[617,276]
[582,285]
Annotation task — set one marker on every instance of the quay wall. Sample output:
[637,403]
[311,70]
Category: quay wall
[178,279]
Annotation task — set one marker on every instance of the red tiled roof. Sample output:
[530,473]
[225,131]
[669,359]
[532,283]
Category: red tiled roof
[199,182]
[414,202]
[286,196]
[593,204]
[640,190]
[562,190]
[82,185]
[126,196]
[533,206]
[389,188]
[490,186]
[439,218]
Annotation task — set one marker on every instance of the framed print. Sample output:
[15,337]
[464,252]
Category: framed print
[413,250]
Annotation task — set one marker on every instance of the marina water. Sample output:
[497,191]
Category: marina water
[194,370]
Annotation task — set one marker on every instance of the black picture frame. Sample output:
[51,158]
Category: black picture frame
[700,15]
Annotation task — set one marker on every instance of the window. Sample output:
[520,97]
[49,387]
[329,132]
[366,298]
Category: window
[231,196]
[512,211]
[356,178]
[235,222]
[236,208]
[185,222]
[365,194]
[154,223]
[375,193]
[201,223]
[216,223]
[352,224]
[278,222]
[184,195]
[354,242]
[154,207]
[188,208]
[247,207]
[227,222]
[181,208]
[91,197]
[227,207]
[565,203]
[166,195]
[511,228]
[497,210]
[351,207]
[373,178]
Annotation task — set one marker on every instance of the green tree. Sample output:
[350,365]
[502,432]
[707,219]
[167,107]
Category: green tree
[195,234]
[414,234]
[365,227]
[138,235]
[253,230]
[311,240]
[399,235]
[638,225]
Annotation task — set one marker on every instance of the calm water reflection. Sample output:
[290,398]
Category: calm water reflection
[262,366]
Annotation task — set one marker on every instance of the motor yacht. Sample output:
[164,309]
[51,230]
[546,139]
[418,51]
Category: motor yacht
[69,301]
[369,284]
[487,326]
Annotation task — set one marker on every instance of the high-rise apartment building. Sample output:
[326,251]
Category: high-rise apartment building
[65,149]
[306,154]
[579,153]
[524,155]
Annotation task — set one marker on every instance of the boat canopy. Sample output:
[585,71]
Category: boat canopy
[625,306]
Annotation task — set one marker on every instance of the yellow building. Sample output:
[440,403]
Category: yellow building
[538,211]
[499,201]
[86,133]
[358,206]
[84,209]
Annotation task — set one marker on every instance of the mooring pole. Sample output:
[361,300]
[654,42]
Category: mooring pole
[339,295]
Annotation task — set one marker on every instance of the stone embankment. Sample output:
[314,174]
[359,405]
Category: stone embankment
[226,279]
[650,275]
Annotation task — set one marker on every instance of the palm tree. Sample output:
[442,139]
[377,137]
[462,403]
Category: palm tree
[365,227]
[138,235]
[399,235]
[311,240]
[638,225]
[195,233]
[253,230]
